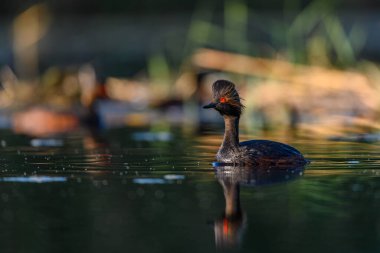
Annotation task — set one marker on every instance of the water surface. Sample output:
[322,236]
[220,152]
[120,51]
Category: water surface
[134,190]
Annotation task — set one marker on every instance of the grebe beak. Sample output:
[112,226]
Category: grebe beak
[210,105]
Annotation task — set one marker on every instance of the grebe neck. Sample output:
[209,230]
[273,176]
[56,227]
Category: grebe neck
[231,133]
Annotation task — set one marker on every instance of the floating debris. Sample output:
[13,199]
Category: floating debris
[167,179]
[148,136]
[149,181]
[174,177]
[34,179]
[46,143]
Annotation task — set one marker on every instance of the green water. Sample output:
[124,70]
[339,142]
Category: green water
[128,191]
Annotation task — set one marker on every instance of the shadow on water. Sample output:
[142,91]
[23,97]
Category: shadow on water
[229,228]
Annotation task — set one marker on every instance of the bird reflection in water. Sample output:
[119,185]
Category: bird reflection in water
[230,227]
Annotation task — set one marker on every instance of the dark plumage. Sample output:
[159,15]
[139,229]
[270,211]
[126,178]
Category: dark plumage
[226,101]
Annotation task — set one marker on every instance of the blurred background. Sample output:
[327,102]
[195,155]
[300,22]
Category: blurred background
[305,65]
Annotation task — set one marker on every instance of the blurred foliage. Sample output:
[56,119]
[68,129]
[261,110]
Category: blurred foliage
[312,34]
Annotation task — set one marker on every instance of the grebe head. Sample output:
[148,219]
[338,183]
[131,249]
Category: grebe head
[226,99]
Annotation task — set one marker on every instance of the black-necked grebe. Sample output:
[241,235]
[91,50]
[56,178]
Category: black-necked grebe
[226,101]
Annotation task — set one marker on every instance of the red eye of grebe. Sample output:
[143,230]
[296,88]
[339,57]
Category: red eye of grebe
[223,100]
